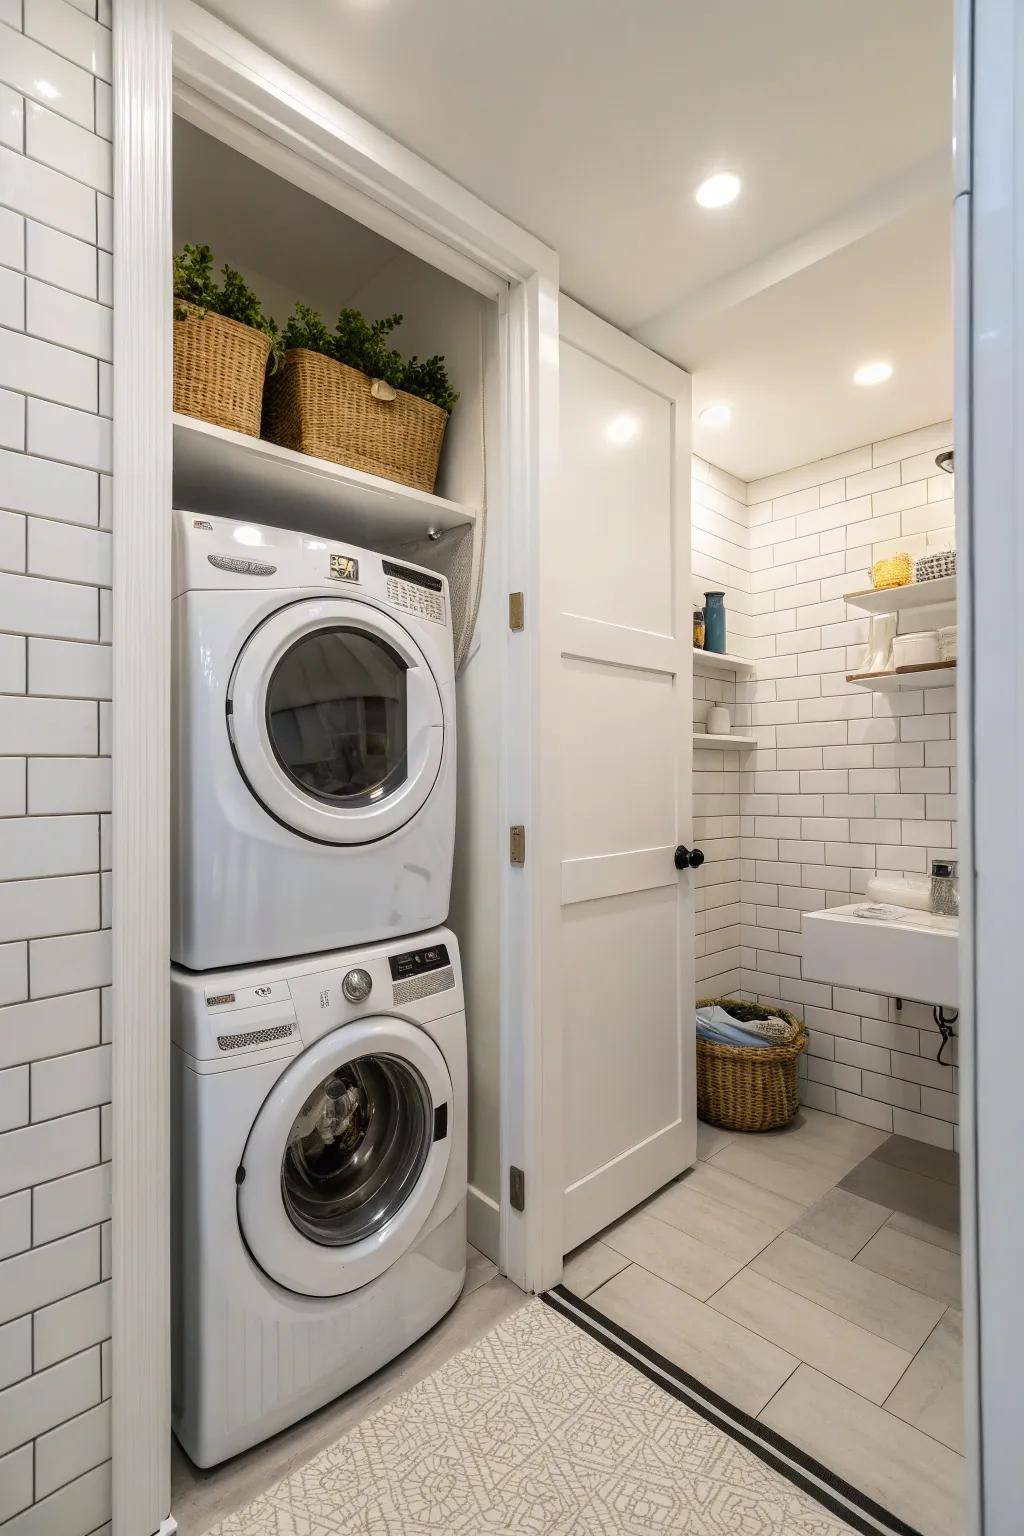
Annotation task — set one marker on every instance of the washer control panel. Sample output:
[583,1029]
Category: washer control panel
[420,974]
[418,962]
[415,592]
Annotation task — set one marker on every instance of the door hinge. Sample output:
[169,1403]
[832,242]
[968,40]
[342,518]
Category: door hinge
[517,1189]
[517,845]
[516,611]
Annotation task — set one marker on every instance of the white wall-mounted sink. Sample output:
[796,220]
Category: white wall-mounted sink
[913,955]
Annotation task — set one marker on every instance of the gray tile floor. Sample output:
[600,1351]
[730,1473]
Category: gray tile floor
[199,1499]
[812,1277]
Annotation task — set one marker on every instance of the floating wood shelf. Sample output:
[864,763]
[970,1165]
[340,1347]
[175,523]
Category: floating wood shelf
[737,743]
[722,661]
[227,474]
[919,594]
[931,674]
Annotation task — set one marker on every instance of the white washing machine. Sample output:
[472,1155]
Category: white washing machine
[314,745]
[319,1203]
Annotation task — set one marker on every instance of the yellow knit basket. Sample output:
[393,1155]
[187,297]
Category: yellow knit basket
[896,571]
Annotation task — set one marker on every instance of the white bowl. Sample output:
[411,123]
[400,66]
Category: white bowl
[915,650]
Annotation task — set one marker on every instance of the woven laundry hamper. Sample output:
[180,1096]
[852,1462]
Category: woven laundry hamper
[749,1087]
[332,411]
[219,369]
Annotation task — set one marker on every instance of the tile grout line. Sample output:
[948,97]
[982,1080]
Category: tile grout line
[911,1362]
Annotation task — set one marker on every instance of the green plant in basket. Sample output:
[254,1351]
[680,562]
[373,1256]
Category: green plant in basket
[363,344]
[195,283]
[429,379]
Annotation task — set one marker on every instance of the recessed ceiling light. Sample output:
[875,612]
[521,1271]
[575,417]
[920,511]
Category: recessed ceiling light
[873,373]
[716,415]
[622,429]
[719,190]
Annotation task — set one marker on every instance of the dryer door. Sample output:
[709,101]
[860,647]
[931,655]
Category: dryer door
[346,1158]
[336,720]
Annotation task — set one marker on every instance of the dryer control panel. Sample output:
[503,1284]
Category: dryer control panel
[415,591]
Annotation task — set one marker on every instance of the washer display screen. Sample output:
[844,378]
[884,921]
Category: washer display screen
[337,716]
[356,1150]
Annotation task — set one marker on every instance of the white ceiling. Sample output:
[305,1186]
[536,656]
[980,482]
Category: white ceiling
[591,122]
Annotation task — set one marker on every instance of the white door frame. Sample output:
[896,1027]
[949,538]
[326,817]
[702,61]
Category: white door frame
[989,295]
[140,749]
[244,96]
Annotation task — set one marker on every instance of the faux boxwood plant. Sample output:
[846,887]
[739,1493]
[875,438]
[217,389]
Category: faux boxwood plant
[195,283]
[364,345]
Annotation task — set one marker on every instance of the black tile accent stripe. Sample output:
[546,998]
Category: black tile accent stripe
[819,1482]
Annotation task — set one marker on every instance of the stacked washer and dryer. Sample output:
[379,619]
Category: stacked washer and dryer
[318,1025]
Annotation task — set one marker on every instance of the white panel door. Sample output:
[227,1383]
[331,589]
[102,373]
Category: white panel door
[627,913]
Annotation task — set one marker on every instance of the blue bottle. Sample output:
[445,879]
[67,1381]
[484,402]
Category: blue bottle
[714,622]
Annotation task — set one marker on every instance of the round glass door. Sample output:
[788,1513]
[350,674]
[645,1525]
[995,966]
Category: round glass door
[346,1157]
[356,1150]
[336,716]
[336,720]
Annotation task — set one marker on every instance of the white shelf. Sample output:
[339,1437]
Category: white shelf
[721,661]
[919,594]
[227,474]
[737,743]
[934,674]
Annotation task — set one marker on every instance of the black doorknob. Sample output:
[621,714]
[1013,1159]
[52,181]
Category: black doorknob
[688,858]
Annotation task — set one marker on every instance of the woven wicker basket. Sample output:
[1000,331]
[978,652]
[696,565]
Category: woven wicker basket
[749,1087]
[331,411]
[219,369]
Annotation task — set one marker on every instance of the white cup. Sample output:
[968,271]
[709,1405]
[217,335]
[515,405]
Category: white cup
[719,723]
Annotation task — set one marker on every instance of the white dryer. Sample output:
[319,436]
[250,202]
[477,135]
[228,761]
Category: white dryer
[319,1199]
[313,745]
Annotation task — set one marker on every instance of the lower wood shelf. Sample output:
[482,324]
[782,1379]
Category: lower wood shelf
[930,674]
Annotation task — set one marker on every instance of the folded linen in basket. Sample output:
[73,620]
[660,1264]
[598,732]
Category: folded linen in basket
[720,1028]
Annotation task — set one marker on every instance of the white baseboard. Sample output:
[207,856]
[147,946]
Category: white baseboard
[483,1223]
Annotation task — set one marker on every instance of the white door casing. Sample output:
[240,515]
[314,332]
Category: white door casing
[627,914]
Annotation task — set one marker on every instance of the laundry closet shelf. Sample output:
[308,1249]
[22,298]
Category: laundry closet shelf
[228,474]
[721,661]
[918,594]
[737,743]
[930,674]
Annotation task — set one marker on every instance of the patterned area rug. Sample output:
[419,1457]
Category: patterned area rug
[536,1430]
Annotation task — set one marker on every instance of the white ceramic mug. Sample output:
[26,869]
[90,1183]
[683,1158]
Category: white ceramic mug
[719,723]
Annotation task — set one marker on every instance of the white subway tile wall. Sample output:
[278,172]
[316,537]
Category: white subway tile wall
[721,562]
[55,665]
[842,781]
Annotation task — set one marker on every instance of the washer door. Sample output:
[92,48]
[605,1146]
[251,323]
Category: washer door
[336,720]
[346,1158]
